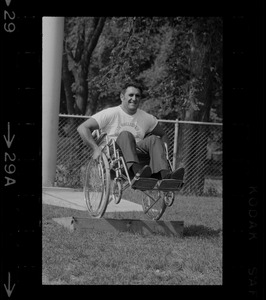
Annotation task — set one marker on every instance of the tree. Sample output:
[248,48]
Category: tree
[82,35]
[68,79]
[178,60]
[125,45]
[205,64]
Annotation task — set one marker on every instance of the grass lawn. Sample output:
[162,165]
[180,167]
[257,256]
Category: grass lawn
[93,258]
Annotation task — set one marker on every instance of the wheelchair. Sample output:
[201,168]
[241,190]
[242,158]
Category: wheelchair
[108,177]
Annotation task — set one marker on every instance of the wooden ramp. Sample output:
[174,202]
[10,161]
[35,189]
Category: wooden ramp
[168,228]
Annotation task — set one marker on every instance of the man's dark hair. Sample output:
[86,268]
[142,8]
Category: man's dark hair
[131,84]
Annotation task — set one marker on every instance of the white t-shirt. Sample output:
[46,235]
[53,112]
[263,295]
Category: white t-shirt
[114,120]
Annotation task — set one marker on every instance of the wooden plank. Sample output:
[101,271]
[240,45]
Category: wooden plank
[168,228]
[67,222]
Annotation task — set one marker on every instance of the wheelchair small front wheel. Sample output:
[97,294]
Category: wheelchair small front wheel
[153,204]
[116,190]
[169,198]
[97,186]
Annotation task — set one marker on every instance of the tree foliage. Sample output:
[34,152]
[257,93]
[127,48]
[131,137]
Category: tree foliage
[177,59]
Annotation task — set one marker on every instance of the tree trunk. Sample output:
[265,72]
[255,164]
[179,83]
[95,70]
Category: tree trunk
[63,106]
[82,62]
[68,80]
[92,105]
[207,97]
[196,137]
[81,90]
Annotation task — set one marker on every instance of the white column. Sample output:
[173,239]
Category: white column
[53,32]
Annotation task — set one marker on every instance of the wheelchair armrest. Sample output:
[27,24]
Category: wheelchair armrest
[101,138]
[98,136]
[96,133]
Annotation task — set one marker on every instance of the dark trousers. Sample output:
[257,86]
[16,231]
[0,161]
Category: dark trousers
[151,148]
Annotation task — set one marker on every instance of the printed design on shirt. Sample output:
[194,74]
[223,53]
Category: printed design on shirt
[128,126]
[131,127]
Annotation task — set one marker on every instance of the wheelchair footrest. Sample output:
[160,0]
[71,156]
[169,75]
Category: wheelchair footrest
[144,183]
[170,185]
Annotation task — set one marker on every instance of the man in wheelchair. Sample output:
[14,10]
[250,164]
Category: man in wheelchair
[136,133]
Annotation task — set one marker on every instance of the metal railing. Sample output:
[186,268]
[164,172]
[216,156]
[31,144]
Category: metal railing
[194,145]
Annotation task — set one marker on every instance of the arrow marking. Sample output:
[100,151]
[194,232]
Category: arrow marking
[8,2]
[8,141]
[8,291]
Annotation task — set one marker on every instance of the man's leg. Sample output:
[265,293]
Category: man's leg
[155,148]
[158,162]
[127,144]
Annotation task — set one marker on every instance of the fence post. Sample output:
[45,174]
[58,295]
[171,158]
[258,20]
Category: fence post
[175,144]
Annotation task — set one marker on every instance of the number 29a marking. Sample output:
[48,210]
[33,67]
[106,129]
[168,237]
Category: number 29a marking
[8,156]
[10,168]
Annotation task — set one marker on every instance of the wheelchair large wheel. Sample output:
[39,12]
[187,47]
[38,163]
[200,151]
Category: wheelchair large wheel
[153,204]
[97,186]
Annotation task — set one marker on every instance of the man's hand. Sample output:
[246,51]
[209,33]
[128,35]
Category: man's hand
[96,153]
[85,129]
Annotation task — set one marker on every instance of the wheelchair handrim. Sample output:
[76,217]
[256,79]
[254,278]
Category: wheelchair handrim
[97,200]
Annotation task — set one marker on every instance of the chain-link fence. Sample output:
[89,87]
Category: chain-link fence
[193,145]
[199,150]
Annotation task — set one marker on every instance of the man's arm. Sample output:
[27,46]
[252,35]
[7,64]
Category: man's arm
[85,131]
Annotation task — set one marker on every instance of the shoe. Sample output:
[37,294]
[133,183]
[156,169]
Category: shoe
[178,174]
[145,172]
[165,174]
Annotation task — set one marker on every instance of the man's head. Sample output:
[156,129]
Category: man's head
[130,97]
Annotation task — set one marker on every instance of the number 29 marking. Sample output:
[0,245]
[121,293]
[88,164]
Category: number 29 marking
[9,27]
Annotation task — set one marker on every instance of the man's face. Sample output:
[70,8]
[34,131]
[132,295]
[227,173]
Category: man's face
[130,100]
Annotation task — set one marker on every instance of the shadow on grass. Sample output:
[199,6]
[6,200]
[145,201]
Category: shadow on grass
[200,231]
